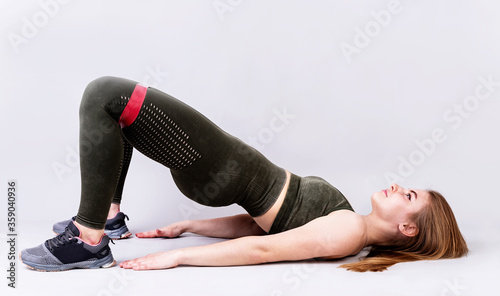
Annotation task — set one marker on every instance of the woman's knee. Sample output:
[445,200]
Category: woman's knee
[93,93]
[97,89]
[100,110]
[101,91]
[101,83]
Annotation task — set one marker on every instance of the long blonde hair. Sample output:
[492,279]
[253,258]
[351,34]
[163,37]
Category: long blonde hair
[438,237]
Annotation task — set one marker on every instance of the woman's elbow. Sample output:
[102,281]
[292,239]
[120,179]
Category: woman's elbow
[259,254]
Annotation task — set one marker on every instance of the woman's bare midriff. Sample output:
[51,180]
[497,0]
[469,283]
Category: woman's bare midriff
[266,221]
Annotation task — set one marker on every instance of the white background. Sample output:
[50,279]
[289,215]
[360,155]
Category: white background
[357,116]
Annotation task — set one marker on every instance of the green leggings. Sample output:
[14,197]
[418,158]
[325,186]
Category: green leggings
[208,165]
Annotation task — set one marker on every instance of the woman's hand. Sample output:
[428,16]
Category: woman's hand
[170,231]
[161,260]
[225,227]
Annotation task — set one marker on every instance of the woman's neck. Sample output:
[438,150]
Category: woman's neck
[378,232]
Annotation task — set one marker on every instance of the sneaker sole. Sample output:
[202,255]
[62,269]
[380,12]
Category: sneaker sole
[105,262]
[119,233]
[125,235]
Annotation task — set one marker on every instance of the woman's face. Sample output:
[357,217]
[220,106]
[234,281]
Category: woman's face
[397,205]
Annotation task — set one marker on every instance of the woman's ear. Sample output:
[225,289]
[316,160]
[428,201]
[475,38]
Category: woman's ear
[409,229]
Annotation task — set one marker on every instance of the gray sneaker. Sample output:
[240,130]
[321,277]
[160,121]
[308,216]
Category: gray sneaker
[67,251]
[115,228]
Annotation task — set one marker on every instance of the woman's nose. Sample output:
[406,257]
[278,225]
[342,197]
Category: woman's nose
[395,187]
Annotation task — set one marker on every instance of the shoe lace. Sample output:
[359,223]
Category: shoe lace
[62,239]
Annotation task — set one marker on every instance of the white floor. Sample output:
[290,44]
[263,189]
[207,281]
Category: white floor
[477,274]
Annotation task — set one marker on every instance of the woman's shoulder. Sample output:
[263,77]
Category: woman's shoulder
[352,226]
[350,219]
[336,235]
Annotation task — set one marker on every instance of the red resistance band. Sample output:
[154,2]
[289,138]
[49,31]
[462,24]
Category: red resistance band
[133,107]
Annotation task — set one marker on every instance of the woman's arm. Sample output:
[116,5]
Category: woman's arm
[226,227]
[337,235]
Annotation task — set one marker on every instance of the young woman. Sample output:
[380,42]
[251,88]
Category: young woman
[289,217]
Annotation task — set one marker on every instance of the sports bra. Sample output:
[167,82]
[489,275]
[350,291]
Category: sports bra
[307,198]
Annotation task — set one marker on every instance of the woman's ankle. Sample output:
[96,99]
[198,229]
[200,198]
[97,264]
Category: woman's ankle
[113,210]
[89,235]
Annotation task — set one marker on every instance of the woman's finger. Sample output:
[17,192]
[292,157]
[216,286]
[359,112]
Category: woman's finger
[160,260]
[147,234]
